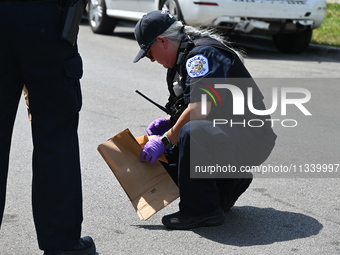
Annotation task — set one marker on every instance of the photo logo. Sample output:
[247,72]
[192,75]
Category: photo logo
[216,98]
[239,102]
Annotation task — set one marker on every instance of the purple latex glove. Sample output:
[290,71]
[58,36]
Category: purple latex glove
[152,150]
[158,127]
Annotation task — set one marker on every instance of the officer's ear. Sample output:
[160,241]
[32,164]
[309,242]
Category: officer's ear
[163,41]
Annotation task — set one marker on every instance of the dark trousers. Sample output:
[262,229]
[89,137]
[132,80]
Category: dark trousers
[32,53]
[202,144]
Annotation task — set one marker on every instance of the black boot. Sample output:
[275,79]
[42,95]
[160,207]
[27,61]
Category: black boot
[85,246]
[180,221]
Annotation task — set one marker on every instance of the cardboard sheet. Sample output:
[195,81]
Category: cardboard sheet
[148,186]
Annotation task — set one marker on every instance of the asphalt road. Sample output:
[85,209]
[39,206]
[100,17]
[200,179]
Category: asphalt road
[281,213]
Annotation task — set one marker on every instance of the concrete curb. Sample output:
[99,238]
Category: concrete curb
[323,50]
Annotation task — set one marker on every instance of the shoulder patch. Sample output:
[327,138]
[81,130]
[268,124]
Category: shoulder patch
[197,66]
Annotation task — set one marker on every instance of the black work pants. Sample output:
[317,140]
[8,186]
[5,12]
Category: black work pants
[32,53]
[202,144]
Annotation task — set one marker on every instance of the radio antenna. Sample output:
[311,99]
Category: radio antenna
[153,102]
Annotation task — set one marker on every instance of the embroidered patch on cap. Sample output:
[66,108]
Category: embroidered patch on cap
[197,66]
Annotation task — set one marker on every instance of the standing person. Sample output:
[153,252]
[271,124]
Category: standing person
[33,53]
[195,60]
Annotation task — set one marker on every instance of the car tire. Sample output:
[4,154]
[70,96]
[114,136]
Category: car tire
[98,20]
[292,43]
[173,7]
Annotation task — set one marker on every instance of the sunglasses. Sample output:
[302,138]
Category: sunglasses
[148,51]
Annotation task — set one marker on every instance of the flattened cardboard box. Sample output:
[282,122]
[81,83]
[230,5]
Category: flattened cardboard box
[148,186]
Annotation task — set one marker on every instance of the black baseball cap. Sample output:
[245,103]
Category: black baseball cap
[149,27]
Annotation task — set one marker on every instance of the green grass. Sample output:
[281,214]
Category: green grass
[329,31]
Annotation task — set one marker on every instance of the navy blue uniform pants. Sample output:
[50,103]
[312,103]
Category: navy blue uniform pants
[202,144]
[32,53]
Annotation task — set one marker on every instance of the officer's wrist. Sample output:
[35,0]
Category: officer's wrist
[166,141]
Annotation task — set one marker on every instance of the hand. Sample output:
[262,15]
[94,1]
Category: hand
[152,150]
[158,127]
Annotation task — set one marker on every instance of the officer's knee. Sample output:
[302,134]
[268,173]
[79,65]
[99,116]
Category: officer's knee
[193,128]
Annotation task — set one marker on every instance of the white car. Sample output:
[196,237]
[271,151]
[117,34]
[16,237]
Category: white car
[290,22]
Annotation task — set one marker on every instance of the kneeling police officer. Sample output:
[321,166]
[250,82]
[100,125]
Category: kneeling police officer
[196,59]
